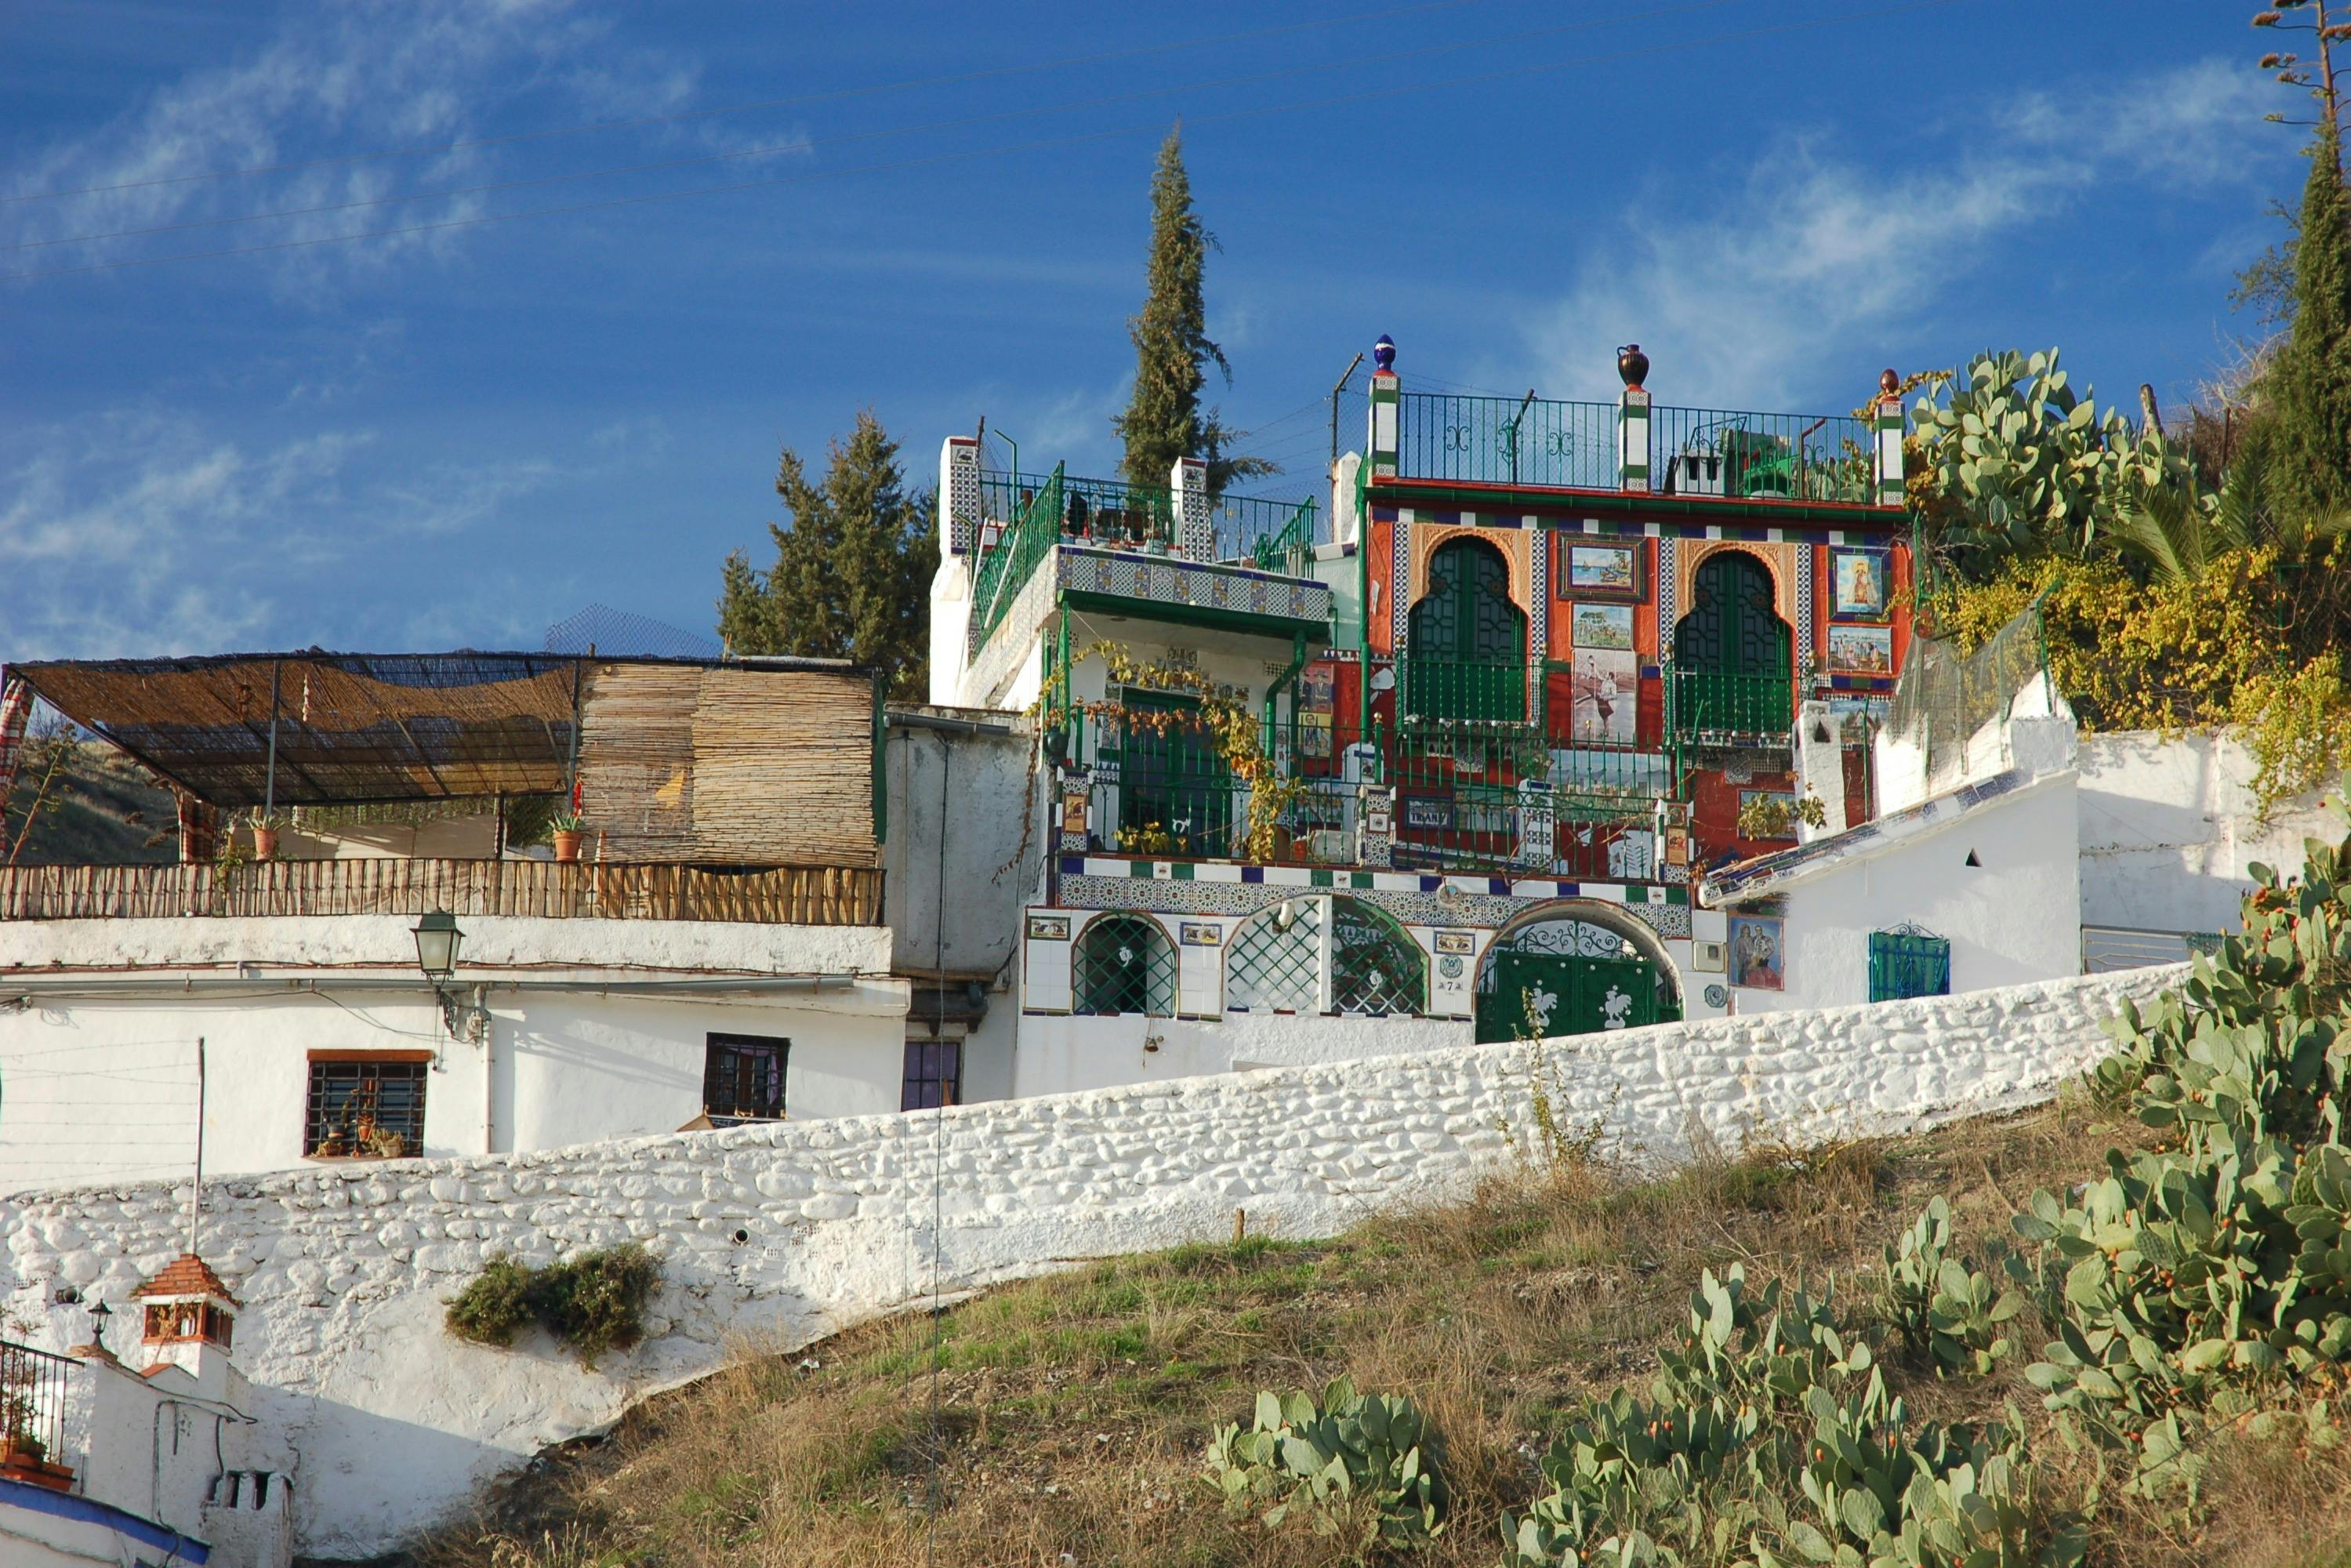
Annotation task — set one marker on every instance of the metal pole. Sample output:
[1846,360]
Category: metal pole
[269,788]
[196,1187]
[1339,387]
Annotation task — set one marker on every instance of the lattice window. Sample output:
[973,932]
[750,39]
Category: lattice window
[743,1077]
[1275,961]
[362,1107]
[1375,965]
[1124,963]
[1909,961]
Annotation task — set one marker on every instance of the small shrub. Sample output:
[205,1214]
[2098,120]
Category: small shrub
[496,1307]
[594,1302]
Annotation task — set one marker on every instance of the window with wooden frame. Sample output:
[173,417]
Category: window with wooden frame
[169,1322]
[743,1078]
[365,1104]
[933,1075]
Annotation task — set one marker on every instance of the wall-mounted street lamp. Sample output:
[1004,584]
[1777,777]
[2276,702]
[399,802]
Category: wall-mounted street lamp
[438,940]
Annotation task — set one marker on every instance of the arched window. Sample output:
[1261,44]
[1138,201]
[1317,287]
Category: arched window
[1125,965]
[1275,961]
[1467,656]
[1733,663]
[1375,965]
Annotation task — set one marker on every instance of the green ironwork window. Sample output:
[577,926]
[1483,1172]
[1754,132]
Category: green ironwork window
[1175,791]
[1733,656]
[1909,961]
[1124,963]
[1375,965]
[1275,961]
[1467,656]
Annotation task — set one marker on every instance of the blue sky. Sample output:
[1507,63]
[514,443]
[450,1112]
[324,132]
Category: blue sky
[460,434]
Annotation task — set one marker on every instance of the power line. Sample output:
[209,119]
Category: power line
[1337,100]
[846,139]
[686,115]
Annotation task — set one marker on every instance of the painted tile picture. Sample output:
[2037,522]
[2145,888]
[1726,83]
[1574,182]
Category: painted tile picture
[1604,569]
[1862,650]
[1757,959]
[1604,626]
[1857,580]
[1605,688]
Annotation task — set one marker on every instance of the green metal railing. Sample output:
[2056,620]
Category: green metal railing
[1691,451]
[1446,694]
[1273,535]
[1710,707]
[1005,565]
[1507,441]
[1760,457]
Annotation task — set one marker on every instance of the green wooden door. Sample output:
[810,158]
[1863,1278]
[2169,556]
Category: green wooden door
[1466,657]
[1733,656]
[1561,994]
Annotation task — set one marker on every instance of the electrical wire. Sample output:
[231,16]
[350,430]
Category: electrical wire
[845,138]
[1337,100]
[683,116]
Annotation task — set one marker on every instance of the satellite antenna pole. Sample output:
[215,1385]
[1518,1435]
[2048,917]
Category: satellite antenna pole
[196,1187]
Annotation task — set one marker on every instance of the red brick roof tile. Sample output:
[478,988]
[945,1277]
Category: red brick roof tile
[186,1275]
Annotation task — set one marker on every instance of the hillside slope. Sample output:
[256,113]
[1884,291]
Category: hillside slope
[1066,1417]
[104,809]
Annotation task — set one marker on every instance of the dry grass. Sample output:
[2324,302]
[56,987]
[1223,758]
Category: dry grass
[1060,1422]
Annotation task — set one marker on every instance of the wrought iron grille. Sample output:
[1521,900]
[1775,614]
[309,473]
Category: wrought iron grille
[357,1106]
[1124,963]
[743,1077]
[1271,968]
[33,1386]
[1375,968]
[1908,962]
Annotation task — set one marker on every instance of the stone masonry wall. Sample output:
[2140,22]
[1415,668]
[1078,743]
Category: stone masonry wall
[777,1234]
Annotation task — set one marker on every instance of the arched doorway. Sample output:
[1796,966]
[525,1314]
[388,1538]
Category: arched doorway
[1467,654]
[1734,664]
[1574,967]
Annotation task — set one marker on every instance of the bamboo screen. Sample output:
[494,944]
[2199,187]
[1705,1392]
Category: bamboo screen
[728,766]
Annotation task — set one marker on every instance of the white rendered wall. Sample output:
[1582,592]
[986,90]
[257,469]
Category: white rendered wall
[2013,920]
[2168,828]
[342,1271]
[102,1089]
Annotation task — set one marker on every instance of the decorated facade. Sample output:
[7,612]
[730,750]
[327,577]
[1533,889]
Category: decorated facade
[1459,745]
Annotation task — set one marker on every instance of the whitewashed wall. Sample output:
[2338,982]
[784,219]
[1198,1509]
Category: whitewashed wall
[2168,828]
[98,1084]
[790,1231]
[2013,918]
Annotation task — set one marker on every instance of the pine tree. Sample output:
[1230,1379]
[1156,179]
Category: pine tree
[1163,421]
[852,573]
[2311,381]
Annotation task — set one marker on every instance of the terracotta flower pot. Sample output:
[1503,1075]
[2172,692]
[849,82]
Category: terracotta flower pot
[264,843]
[567,847]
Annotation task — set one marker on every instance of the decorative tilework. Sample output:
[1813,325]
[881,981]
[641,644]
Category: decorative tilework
[1539,610]
[1668,602]
[1399,576]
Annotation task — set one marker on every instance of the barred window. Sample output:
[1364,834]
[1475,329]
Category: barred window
[1124,963]
[743,1078]
[364,1106]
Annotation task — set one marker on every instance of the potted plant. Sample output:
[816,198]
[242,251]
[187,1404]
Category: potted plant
[362,1115]
[266,826]
[389,1145]
[565,832]
[18,1443]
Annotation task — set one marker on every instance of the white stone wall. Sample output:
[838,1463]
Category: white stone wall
[783,1232]
[2168,828]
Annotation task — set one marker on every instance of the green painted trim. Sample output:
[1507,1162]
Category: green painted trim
[1319,879]
[1360,878]
[1181,871]
[1282,628]
[1395,492]
[1677,896]
[1138,871]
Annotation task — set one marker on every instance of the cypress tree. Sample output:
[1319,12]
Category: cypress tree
[1172,350]
[852,573]
[2310,384]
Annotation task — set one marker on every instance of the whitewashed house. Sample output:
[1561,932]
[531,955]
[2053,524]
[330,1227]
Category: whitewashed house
[160,1459]
[719,951]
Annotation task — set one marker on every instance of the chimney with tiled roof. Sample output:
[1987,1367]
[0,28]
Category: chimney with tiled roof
[187,1308]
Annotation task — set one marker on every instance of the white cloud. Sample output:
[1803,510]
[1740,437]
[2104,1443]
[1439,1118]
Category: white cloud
[359,76]
[145,533]
[1781,281]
